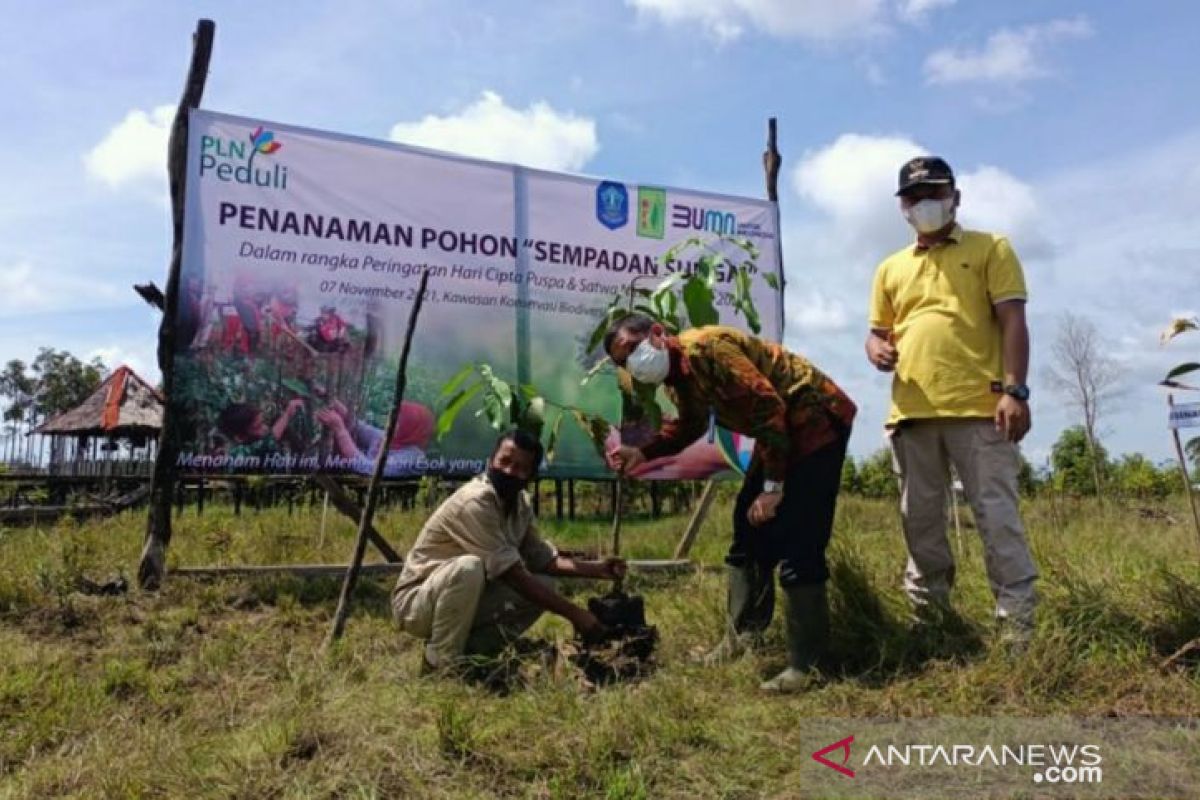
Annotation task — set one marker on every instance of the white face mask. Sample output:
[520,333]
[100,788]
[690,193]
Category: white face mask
[927,216]
[648,364]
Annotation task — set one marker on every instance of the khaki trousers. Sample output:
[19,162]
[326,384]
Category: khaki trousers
[987,464]
[458,612]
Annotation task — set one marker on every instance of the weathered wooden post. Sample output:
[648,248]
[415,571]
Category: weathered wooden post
[364,524]
[693,527]
[158,524]
[618,510]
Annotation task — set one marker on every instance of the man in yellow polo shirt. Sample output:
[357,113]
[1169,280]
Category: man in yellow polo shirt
[948,318]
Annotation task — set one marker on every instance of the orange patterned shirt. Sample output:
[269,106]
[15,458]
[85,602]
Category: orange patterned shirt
[755,388]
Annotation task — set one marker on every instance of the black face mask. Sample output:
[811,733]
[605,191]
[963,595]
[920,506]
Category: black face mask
[506,485]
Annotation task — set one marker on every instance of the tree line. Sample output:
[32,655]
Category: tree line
[1076,463]
[54,382]
[1082,373]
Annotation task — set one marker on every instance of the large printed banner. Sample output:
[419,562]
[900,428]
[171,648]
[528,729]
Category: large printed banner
[302,254]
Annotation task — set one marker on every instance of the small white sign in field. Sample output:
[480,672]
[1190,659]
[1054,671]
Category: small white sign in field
[1185,415]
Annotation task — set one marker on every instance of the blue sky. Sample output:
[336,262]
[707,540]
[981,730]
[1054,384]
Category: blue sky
[1073,125]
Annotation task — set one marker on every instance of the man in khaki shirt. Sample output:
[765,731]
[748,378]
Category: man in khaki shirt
[479,574]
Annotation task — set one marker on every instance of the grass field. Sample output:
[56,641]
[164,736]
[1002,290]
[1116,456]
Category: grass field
[220,689]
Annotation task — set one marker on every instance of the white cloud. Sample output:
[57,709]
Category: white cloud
[846,178]
[996,201]
[26,290]
[140,357]
[1009,56]
[18,288]
[134,151]
[853,182]
[874,73]
[817,313]
[1084,246]
[538,136]
[726,20]
[915,10]
[848,222]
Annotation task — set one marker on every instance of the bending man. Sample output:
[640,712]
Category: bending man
[800,421]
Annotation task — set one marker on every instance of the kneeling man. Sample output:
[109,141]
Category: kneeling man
[479,574]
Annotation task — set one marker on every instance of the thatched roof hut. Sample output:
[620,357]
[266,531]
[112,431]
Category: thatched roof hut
[123,406]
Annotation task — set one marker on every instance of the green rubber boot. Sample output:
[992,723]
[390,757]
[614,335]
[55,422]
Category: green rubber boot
[750,602]
[807,636]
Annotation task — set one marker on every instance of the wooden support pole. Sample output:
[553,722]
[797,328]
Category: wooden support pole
[693,527]
[618,508]
[571,499]
[347,505]
[648,566]
[296,570]
[364,525]
[772,161]
[153,562]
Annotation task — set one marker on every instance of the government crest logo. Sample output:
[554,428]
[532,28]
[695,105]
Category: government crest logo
[612,205]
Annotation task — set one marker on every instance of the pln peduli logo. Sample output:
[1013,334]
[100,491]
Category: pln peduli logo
[232,160]
[651,212]
[612,204]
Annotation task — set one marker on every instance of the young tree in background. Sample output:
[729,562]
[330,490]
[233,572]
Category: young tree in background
[1086,377]
[1077,462]
[63,381]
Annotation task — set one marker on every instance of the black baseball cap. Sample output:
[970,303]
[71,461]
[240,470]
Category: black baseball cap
[924,170]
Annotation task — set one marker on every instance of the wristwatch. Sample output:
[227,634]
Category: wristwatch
[1019,391]
[772,487]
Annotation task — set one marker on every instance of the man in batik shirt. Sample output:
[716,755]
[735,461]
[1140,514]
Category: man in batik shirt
[800,421]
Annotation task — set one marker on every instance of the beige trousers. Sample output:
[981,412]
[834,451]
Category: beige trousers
[458,612]
[987,464]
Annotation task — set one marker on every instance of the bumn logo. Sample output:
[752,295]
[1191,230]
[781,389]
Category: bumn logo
[722,223]
[843,747]
[651,212]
